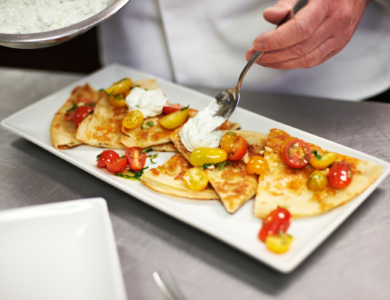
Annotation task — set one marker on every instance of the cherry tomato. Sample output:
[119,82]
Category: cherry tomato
[174,119]
[324,160]
[296,153]
[81,113]
[117,100]
[196,179]
[317,181]
[136,158]
[340,175]
[278,220]
[239,149]
[117,166]
[69,116]
[227,141]
[108,156]
[171,108]
[204,155]
[278,243]
[133,119]
[257,165]
[119,87]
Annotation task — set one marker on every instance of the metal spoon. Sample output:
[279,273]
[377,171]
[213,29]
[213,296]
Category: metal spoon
[227,100]
[168,285]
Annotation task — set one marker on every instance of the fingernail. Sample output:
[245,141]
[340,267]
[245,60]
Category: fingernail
[260,46]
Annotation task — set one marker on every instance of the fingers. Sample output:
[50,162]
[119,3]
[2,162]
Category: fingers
[300,28]
[274,15]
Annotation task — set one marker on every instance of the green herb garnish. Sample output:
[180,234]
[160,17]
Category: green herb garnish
[316,154]
[102,90]
[97,157]
[146,89]
[72,108]
[184,108]
[222,164]
[229,132]
[146,150]
[142,126]
[137,175]
[206,166]
[119,97]
[150,123]
[153,157]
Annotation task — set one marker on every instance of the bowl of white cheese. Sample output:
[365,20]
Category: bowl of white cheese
[32,24]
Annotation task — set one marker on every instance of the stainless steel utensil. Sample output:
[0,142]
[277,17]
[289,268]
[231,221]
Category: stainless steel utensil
[168,285]
[58,36]
[228,99]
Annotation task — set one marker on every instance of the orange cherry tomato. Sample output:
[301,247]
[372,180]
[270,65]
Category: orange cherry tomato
[136,158]
[227,141]
[117,166]
[278,220]
[81,113]
[340,175]
[133,119]
[108,156]
[296,153]
[239,149]
[171,108]
[257,165]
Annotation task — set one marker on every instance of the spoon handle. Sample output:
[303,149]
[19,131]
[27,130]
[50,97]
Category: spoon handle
[300,4]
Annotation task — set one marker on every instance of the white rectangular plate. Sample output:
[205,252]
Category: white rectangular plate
[238,230]
[59,251]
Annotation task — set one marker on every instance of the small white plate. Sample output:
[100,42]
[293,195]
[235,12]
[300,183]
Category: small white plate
[59,251]
[238,230]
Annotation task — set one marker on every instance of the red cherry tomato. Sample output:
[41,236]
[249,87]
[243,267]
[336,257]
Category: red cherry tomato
[136,158]
[340,175]
[69,116]
[117,166]
[171,108]
[81,113]
[239,149]
[278,220]
[296,153]
[108,156]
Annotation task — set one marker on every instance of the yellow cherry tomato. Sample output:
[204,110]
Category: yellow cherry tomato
[317,181]
[278,243]
[227,141]
[202,156]
[257,165]
[322,161]
[118,100]
[119,87]
[174,119]
[196,179]
[133,119]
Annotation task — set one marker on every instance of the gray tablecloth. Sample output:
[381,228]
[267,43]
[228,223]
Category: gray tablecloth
[353,263]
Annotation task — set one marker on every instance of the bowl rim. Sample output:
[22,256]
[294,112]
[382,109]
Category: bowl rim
[64,32]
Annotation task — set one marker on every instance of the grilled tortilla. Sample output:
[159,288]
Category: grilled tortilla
[63,132]
[283,186]
[168,179]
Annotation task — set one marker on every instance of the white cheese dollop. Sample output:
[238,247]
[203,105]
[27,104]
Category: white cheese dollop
[150,102]
[29,16]
[200,131]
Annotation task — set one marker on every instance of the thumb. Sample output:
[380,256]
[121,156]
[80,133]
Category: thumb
[276,13]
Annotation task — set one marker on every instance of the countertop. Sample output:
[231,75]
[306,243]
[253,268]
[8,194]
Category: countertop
[353,263]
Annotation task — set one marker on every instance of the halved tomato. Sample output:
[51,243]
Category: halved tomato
[136,158]
[196,179]
[108,156]
[296,153]
[117,166]
[239,149]
[340,175]
[278,220]
[175,119]
[168,109]
[81,113]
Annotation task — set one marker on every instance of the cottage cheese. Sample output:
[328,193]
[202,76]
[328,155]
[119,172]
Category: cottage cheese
[201,131]
[31,16]
[150,103]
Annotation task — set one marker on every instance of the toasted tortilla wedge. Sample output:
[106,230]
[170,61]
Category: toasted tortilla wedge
[103,128]
[283,186]
[233,185]
[168,179]
[62,132]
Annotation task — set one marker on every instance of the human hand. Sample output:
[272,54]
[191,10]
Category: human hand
[318,31]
